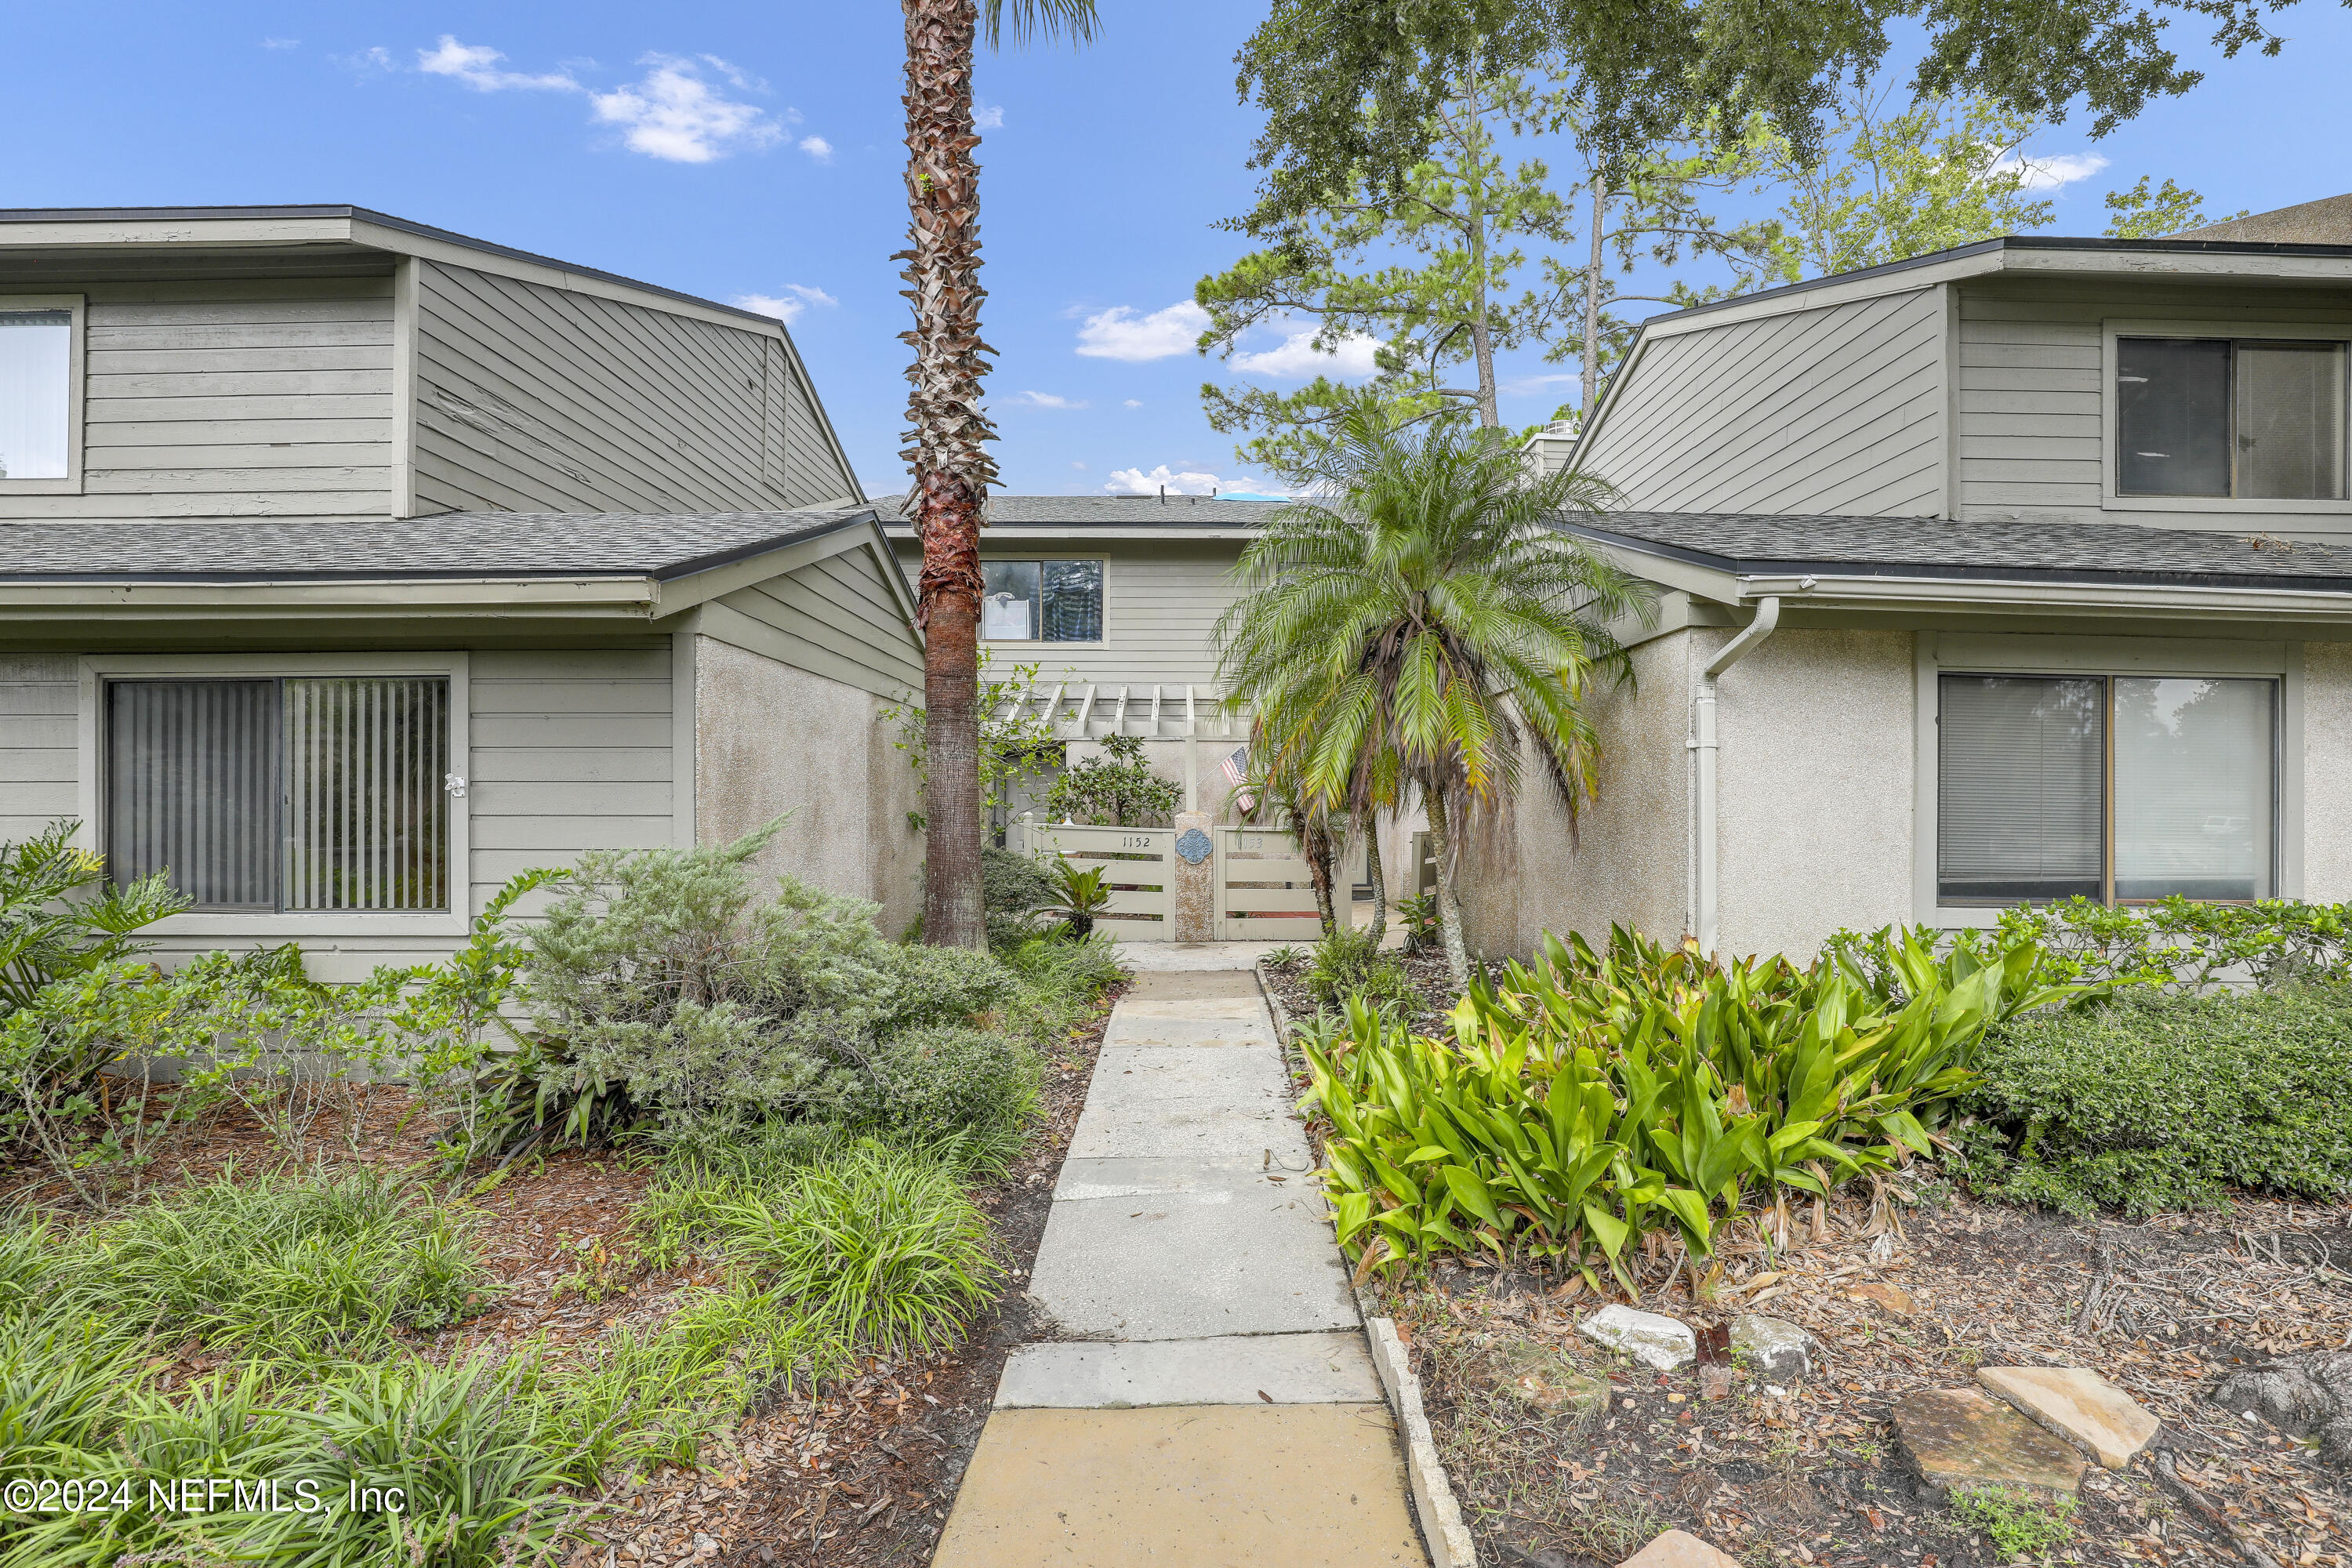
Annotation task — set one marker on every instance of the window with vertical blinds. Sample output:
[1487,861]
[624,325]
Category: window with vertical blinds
[293,794]
[2115,788]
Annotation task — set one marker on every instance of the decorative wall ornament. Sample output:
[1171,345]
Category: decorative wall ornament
[1195,845]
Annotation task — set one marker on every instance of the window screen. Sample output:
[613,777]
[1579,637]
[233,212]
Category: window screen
[2290,421]
[283,794]
[1042,601]
[2193,770]
[36,390]
[2019,788]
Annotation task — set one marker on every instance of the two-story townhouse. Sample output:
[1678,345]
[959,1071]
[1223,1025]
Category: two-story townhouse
[350,566]
[2012,572]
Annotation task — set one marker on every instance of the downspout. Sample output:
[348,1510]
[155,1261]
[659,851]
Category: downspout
[1768,616]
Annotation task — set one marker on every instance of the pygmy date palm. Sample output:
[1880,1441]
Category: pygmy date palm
[1427,621]
[947,446]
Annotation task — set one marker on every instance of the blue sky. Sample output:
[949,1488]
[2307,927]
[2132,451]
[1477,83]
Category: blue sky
[752,152]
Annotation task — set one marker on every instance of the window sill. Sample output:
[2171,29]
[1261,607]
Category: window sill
[2225,504]
[65,486]
[296,925]
[1041,646]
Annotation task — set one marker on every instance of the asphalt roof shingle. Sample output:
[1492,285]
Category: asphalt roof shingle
[1928,547]
[663,545]
[1111,511]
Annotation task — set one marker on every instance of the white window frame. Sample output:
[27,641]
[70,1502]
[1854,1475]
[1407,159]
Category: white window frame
[1939,653]
[2110,433]
[290,925]
[77,393]
[998,557]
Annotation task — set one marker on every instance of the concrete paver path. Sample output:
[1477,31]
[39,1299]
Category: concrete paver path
[1211,1400]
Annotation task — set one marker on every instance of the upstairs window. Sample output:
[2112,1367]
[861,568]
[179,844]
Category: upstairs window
[2120,789]
[36,393]
[283,794]
[2241,418]
[1040,601]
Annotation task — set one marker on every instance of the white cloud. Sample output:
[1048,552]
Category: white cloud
[673,113]
[1048,400]
[476,65]
[281,43]
[786,307]
[1525,384]
[1076,464]
[1297,357]
[373,58]
[1136,482]
[818,148]
[1134,403]
[988,116]
[2050,174]
[1120,333]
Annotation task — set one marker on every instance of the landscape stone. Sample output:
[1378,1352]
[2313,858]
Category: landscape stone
[1535,1375]
[1778,1349]
[1680,1549]
[2079,1405]
[1885,1298]
[1656,1342]
[1964,1438]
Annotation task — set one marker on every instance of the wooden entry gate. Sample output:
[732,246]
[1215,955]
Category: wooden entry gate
[1262,889]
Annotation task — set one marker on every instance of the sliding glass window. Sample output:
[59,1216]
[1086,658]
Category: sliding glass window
[285,793]
[2118,788]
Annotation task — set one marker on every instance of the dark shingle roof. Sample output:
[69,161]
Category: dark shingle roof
[663,545]
[1110,511]
[1752,544]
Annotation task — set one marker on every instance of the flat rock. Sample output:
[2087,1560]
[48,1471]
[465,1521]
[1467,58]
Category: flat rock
[1964,1438]
[1680,1549]
[1536,1375]
[2078,1404]
[1656,1342]
[1889,1299]
[1779,1350]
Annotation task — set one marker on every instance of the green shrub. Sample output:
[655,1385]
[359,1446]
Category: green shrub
[1117,789]
[1011,883]
[2181,943]
[881,1245]
[1348,964]
[1594,1097]
[931,986]
[296,1266]
[2151,1103]
[968,1094]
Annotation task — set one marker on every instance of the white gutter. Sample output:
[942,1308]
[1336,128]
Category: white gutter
[1702,862]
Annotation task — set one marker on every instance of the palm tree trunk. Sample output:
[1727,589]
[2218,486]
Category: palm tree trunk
[1449,911]
[1314,841]
[1378,877]
[947,448]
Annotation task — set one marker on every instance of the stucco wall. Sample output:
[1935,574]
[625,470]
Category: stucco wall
[2328,771]
[771,739]
[1630,860]
[1814,792]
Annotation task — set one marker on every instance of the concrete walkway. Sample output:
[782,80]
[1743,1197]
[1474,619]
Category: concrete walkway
[1211,1400]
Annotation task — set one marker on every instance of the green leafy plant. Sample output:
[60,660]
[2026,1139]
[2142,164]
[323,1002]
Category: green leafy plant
[2019,1522]
[1595,1098]
[881,1244]
[1349,963]
[1012,889]
[2155,1102]
[1117,789]
[1284,957]
[1016,736]
[1418,916]
[60,916]
[2182,944]
[1079,896]
[287,1266]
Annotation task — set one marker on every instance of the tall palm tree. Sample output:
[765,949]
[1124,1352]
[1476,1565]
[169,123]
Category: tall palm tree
[948,444]
[1428,623]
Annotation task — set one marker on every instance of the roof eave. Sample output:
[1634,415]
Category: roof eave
[629,596]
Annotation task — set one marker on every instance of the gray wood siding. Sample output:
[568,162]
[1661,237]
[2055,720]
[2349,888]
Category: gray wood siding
[1161,602]
[535,399]
[233,399]
[2030,391]
[41,756]
[1838,409]
[834,617]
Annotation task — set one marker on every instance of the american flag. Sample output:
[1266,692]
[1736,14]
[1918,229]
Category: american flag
[1236,771]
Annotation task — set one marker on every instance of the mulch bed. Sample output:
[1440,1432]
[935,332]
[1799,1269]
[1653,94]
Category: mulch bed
[861,1474]
[1810,1474]
[1426,969]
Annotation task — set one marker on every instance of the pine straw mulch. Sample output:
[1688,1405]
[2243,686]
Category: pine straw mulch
[1426,969]
[1810,1473]
[860,1475]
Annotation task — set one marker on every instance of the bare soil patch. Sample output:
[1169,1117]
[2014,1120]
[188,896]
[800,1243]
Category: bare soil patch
[1809,1472]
